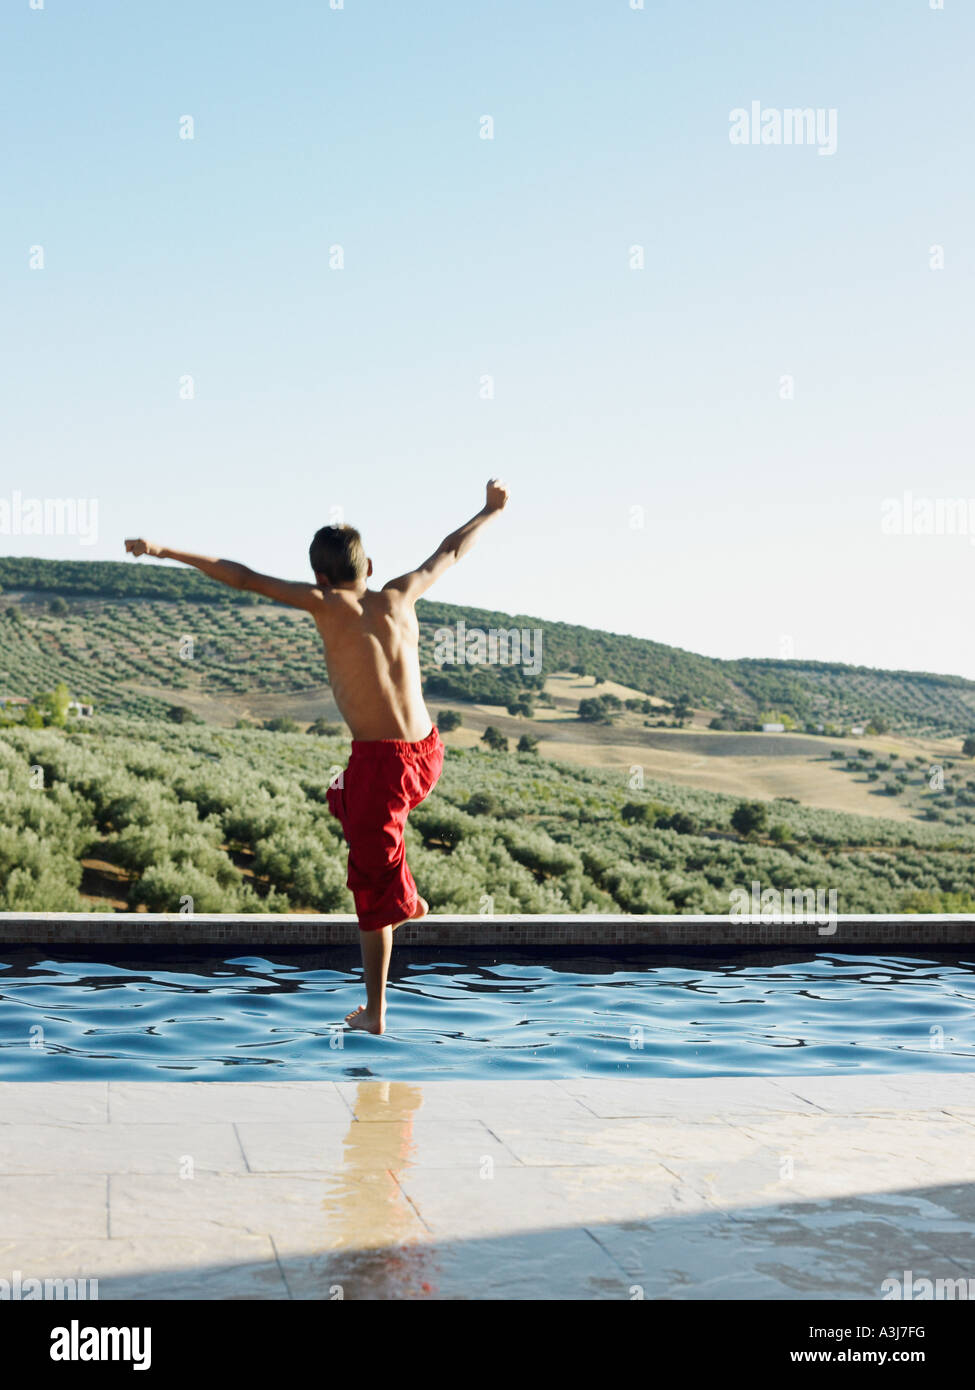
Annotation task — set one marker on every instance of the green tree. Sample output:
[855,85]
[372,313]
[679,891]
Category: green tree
[448,720]
[749,817]
[595,710]
[494,739]
[281,724]
[53,705]
[323,729]
[645,813]
[528,743]
[179,714]
[58,607]
[680,822]
[968,747]
[682,709]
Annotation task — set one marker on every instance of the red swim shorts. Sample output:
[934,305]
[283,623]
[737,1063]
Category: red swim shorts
[384,780]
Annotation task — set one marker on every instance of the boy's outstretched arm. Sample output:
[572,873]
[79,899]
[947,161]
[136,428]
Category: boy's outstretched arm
[452,547]
[237,576]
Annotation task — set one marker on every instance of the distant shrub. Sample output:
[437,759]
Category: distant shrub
[448,720]
[538,852]
[440,826]
[36,875]
[948,902]
[179,714]
[598,709]
[305,868]
[681,822]
[731,722]
[749,817]
[169,887]
[521,706]
[281,724]
[323,729]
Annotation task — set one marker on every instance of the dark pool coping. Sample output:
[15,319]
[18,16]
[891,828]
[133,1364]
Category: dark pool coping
[169,929]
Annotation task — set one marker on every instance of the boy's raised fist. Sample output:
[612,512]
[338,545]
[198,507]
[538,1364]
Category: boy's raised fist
[497,495]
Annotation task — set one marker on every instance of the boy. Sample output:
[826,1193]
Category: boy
[371,641]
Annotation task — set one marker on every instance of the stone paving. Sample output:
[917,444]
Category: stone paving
[785,1188]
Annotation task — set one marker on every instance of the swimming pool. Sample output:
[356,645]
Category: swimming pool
[146,1014]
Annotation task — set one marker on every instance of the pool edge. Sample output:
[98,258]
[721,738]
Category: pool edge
[501,929]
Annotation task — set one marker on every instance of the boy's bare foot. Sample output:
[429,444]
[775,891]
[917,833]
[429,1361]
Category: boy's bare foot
[366,1022]
[421,910]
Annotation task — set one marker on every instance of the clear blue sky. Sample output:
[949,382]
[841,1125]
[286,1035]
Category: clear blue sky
[463,257]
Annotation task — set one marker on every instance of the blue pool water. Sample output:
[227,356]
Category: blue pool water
[154,1016]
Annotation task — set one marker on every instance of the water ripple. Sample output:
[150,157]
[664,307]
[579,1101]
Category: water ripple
[209,1017]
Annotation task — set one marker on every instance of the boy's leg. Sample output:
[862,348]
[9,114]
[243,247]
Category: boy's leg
[377,947]
[428,772]
[378,871]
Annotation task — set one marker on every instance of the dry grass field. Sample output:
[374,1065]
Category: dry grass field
[748,765]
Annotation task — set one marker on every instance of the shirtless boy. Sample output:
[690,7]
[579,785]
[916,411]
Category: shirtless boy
[371,641]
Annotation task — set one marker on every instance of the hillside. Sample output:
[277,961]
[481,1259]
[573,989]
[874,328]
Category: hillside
[234,820]
[627,813]
[134,635]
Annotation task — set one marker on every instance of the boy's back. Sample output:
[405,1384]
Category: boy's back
[371,645]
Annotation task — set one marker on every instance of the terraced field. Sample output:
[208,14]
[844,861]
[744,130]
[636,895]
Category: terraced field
[133,631]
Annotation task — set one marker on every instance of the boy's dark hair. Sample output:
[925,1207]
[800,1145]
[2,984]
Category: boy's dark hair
[336,553]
